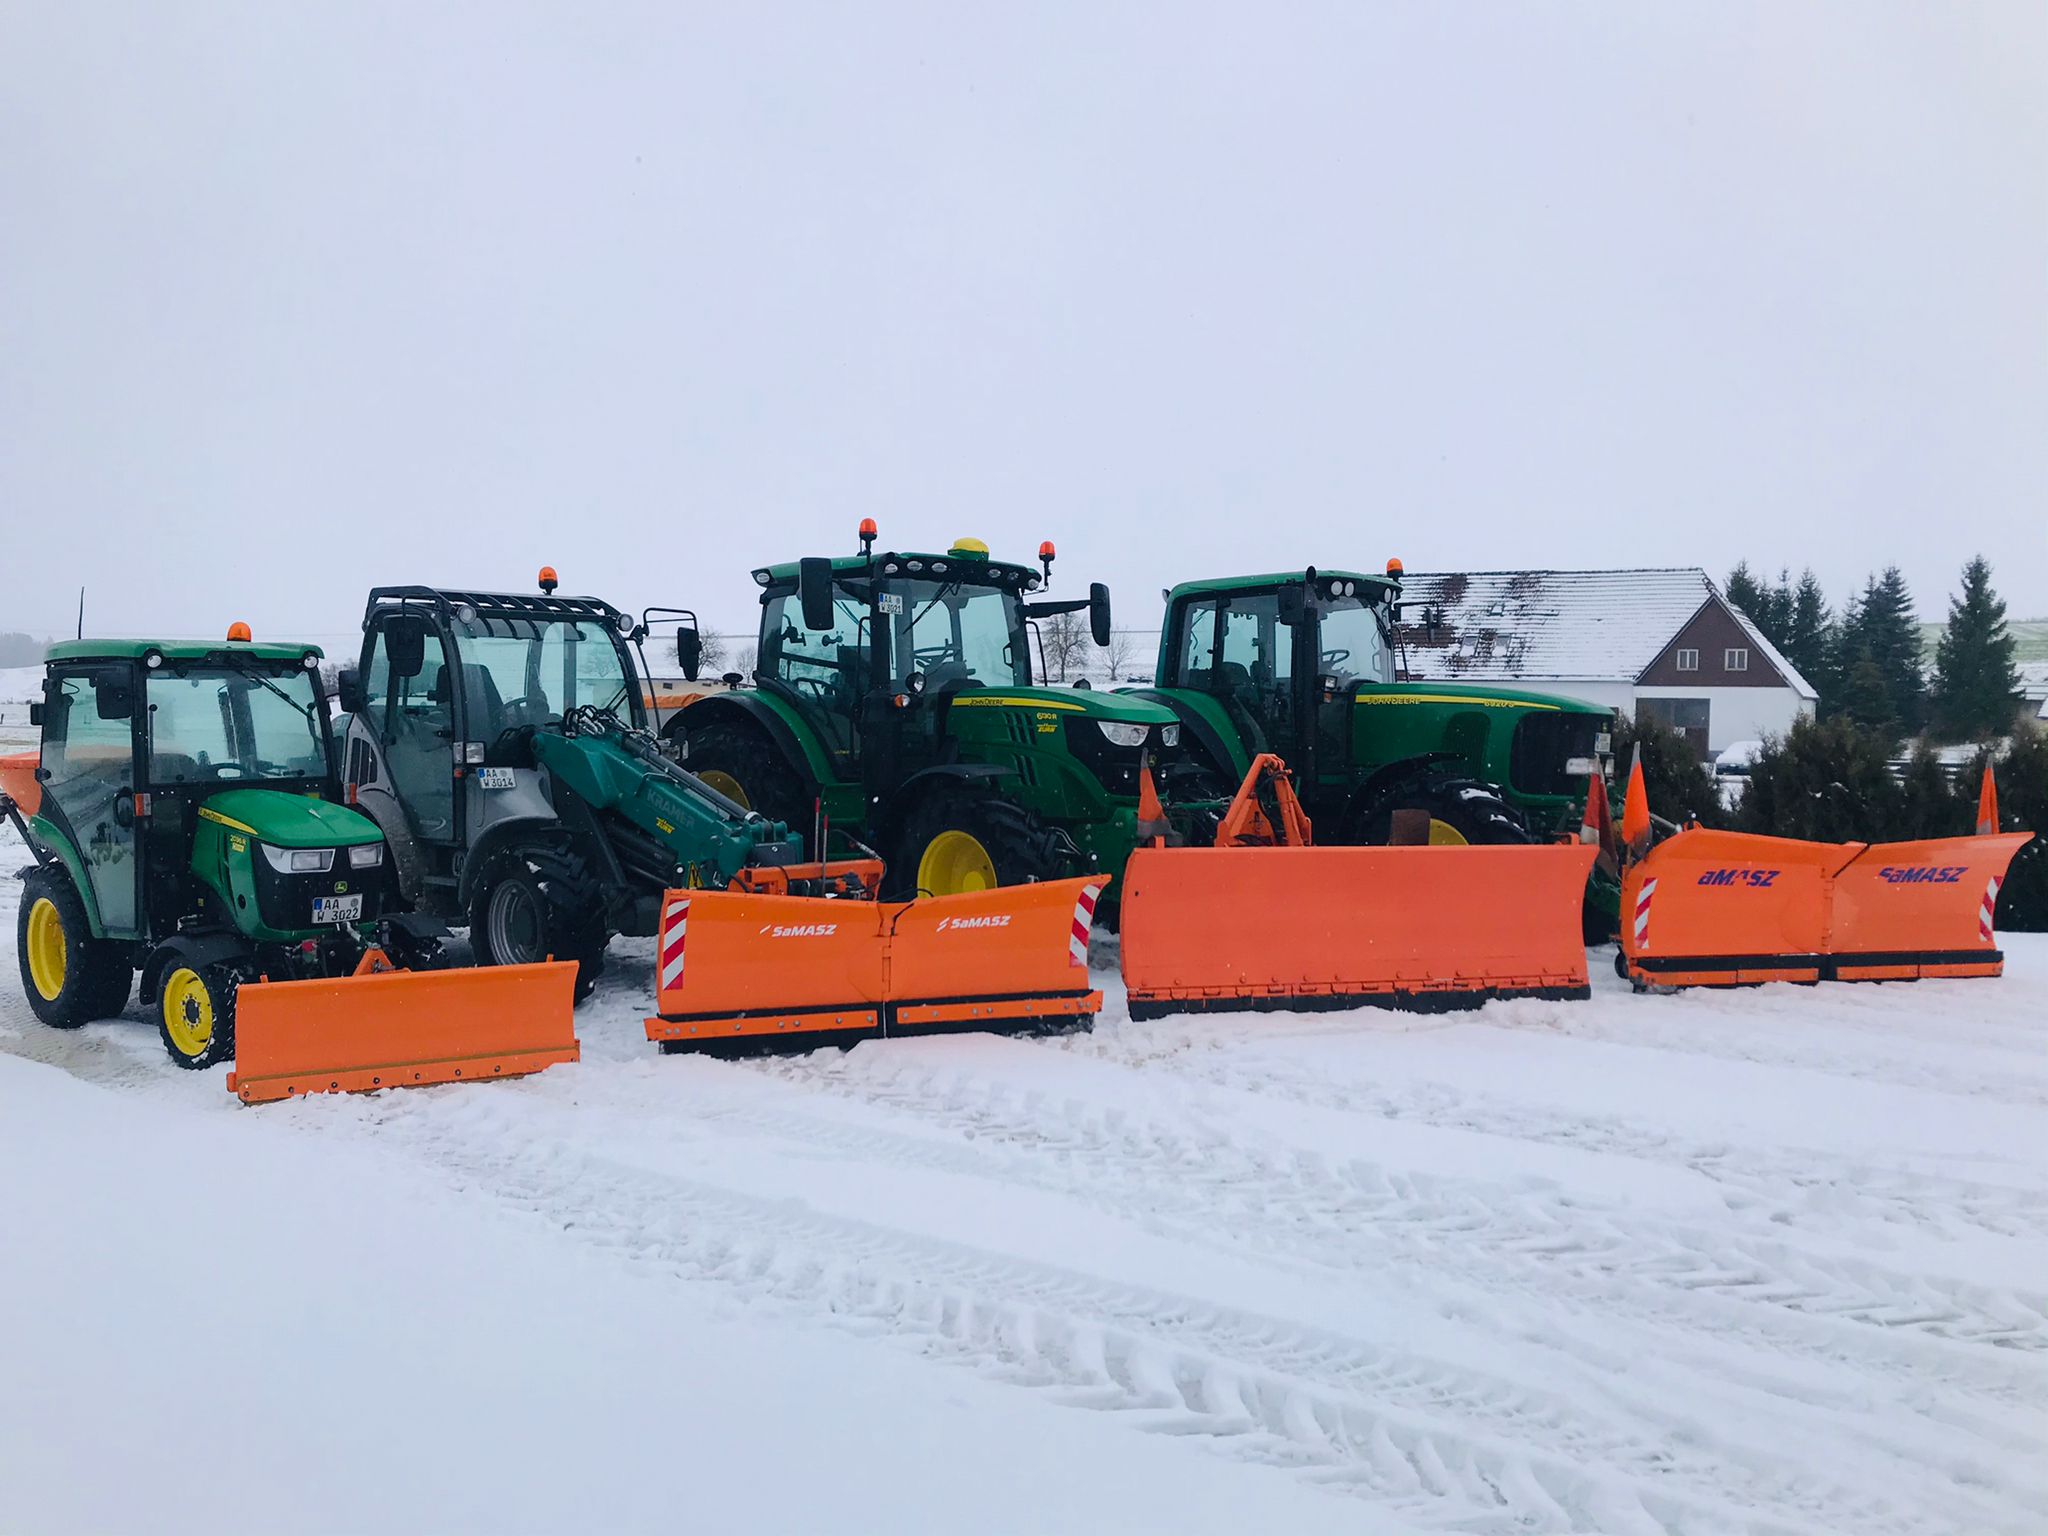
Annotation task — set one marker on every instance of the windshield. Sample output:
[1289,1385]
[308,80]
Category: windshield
[532,671]
[955,633]
[211,725]
[1354,641]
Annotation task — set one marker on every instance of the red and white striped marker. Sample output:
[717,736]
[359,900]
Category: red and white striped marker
[675,923]
[1084,919]
[1987,911]
[1649,889]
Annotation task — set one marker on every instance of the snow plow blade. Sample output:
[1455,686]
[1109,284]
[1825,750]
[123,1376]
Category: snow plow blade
[737,968]
[1294,927]
[385,1028]
[1709,908]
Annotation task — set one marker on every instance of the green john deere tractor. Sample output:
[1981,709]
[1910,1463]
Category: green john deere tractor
[895,702]
[185,822]
[1302,664]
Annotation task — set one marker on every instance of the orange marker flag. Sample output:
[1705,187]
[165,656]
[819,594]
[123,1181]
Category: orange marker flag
[1152,823]
[1597,825]
[1635,810]
[1987,803]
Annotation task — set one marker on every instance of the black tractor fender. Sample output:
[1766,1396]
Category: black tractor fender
[889,816]
[1206,738]
[746,708]
[1392,779]
[498,837]
[193,949]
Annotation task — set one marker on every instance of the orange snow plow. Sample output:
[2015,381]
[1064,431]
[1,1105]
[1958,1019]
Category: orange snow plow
[18,780]
[1722,909]
[1265,919]
[385,1028]
[736,967]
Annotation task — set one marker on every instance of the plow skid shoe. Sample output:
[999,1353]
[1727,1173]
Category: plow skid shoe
[1420,928]
[401,1029]
[734,968]
[1732,909]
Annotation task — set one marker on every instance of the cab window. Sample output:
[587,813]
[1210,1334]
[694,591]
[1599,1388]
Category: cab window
[79,741]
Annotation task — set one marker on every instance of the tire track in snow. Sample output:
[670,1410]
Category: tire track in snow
[1358,1214]
[1839,1195]
[1380,1425]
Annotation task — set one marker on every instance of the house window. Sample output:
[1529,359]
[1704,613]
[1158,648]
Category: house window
[1688,661]
[1735,659]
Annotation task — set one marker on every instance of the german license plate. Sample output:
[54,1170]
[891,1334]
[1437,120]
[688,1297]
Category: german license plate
[495,778]
[338,909]
[1581,767]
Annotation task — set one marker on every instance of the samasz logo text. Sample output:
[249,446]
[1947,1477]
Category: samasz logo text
[1754,879]
[1923,874]
[993,920]
[799,930]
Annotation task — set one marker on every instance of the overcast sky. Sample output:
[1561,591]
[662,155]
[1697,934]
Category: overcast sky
[295,300]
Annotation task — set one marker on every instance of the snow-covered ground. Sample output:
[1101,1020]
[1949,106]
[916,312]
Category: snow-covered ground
[1767,1262]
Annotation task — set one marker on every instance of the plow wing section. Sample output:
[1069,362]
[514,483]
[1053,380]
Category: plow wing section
[1303,927]
[1729,909]
[401,1029]
[735,966]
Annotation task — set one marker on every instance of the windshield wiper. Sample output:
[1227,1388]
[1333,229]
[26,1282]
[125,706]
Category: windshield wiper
[305,711]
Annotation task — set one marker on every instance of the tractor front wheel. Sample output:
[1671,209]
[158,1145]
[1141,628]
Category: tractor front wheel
[521,915]
[196,1014]
[741,763]
[70,976]
[1460,811]
[955,844]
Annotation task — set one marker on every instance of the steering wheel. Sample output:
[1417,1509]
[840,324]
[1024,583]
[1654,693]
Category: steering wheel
[820,688]
[1332,659]
[526,709]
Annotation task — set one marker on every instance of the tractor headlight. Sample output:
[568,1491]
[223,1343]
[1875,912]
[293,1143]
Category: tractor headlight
[299,861]
[1169,735]
[366,856]
[1122,735]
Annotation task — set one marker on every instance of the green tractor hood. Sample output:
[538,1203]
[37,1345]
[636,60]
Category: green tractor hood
[286,820]
[1088,703]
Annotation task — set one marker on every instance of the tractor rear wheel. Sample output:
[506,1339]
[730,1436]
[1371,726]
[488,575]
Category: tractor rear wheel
[954,844]
[523,915]
[1460,811]
[742,764]
[70,976]
[196,1014]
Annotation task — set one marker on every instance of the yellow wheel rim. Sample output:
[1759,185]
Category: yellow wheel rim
[1443,835]
[188,1012]
[955,864]
[727,786]
[46,949]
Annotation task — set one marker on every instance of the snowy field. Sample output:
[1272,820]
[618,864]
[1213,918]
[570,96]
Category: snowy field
[1770,1262]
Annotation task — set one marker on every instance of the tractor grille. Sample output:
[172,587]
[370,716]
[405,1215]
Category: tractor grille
[1544,743]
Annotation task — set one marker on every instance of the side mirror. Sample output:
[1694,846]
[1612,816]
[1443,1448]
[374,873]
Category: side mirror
[348,690]
[114,701]
[35,712]
[1098,612]
[689,650]
[1292,605]
[407,647]
[814,591]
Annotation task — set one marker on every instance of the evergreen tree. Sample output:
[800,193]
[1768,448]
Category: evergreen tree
[1808,639]
[1929,805]
[1743,590]
[1829,781]
[1773,613]
[1880,634]
[1680,786]
[1974,678]
[1863,699]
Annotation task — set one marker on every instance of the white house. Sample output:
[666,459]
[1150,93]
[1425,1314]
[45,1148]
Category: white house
[1663,643]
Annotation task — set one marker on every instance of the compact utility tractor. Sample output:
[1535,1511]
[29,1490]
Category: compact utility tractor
[501,743]
[1302,665]
[186,825]
[895,700]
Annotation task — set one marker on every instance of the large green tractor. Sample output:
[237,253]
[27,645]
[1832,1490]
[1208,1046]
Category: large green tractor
[1303,664]
[185,821]
[895,702]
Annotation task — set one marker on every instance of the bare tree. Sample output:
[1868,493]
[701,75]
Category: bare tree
[1120,651]
[1064,636]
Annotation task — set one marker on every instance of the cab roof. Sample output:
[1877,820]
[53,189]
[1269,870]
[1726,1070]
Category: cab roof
[1276,579]
[179,650]
[978,568]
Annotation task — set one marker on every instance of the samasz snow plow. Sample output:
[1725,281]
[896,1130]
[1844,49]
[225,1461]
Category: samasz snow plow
[185,825]
[1704,908]
[738,968]
[1265,919]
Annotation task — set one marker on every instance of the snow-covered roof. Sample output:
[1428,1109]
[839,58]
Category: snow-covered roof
[2034,686]
[1584,626]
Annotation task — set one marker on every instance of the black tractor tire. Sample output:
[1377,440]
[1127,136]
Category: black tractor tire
[535,904]
[188,995]
[733,755]
[92,979]
[1014,845]
[1472,812]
